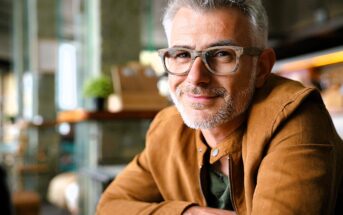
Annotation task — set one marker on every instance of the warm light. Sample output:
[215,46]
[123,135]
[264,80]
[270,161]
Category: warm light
[311,61]
[296,65]
[328,59]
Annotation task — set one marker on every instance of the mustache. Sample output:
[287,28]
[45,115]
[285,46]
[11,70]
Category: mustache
[198,90]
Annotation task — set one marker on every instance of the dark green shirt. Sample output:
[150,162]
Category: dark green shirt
[218,190]
[216,185]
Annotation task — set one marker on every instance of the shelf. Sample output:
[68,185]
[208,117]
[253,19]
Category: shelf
[75,116]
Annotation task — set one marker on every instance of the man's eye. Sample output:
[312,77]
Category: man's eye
[182,55]
[222,54]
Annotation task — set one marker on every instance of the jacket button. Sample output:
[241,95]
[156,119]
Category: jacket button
[215,152]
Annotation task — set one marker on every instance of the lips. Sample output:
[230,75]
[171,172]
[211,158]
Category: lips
[197,94]
[200,99]
[200,96]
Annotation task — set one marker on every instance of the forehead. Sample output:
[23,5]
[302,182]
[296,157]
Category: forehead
[198,29]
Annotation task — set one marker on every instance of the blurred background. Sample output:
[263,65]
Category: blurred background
[80,81]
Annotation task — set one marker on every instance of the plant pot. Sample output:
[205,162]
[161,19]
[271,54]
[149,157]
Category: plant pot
[99,103]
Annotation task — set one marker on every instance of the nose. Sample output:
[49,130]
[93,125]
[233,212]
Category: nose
[198,73]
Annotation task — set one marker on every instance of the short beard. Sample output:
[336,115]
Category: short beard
[227,112]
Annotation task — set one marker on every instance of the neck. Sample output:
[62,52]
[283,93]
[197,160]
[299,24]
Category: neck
[216,135]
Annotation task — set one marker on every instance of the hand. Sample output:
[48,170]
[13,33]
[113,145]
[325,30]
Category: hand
[197,210]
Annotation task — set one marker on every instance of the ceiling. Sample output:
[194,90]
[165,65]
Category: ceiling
[308,40]
[301,27]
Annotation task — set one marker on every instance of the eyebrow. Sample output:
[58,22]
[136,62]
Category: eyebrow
[217,43]
[182,46]
[223,43]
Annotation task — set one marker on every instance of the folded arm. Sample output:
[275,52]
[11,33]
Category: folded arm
[135,192]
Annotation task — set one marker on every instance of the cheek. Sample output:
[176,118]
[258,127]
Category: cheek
[246,74]
[174,82]
[229,84]
[240,83]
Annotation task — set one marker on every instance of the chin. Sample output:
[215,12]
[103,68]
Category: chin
[199,118]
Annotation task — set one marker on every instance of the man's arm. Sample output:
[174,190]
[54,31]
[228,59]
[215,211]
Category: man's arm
[134,191]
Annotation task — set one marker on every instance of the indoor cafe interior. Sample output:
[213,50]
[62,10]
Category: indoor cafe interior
[81,80]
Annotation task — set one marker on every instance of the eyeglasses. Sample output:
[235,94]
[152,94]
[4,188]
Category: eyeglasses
[219,60]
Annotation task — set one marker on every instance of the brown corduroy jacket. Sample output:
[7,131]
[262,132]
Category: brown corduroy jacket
[288,161]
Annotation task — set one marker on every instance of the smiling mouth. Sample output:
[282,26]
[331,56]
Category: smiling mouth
[200,100]
[199,95]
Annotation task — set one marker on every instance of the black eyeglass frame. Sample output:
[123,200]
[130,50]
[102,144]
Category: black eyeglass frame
[251,51]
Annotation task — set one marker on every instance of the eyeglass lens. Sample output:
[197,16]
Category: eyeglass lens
[219,60]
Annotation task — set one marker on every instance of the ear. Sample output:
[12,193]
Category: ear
[264,66]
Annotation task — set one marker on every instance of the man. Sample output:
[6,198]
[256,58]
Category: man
[240,140]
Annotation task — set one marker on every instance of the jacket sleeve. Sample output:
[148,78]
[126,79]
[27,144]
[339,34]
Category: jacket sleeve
[144,186]
[134,191]
[300,171]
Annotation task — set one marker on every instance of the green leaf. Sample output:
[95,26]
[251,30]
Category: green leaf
[100,87]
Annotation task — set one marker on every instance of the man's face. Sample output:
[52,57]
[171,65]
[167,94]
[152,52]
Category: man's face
[205,100]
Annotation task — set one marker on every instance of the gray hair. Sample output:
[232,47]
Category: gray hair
[252,8]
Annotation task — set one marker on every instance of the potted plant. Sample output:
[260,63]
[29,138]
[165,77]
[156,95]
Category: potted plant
[98,88]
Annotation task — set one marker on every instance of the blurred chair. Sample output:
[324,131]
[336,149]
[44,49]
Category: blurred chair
[63,192]
[26,203]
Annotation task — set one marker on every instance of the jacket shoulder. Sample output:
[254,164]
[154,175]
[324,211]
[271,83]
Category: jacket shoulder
[168,130]
[277,100]
[167,117]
